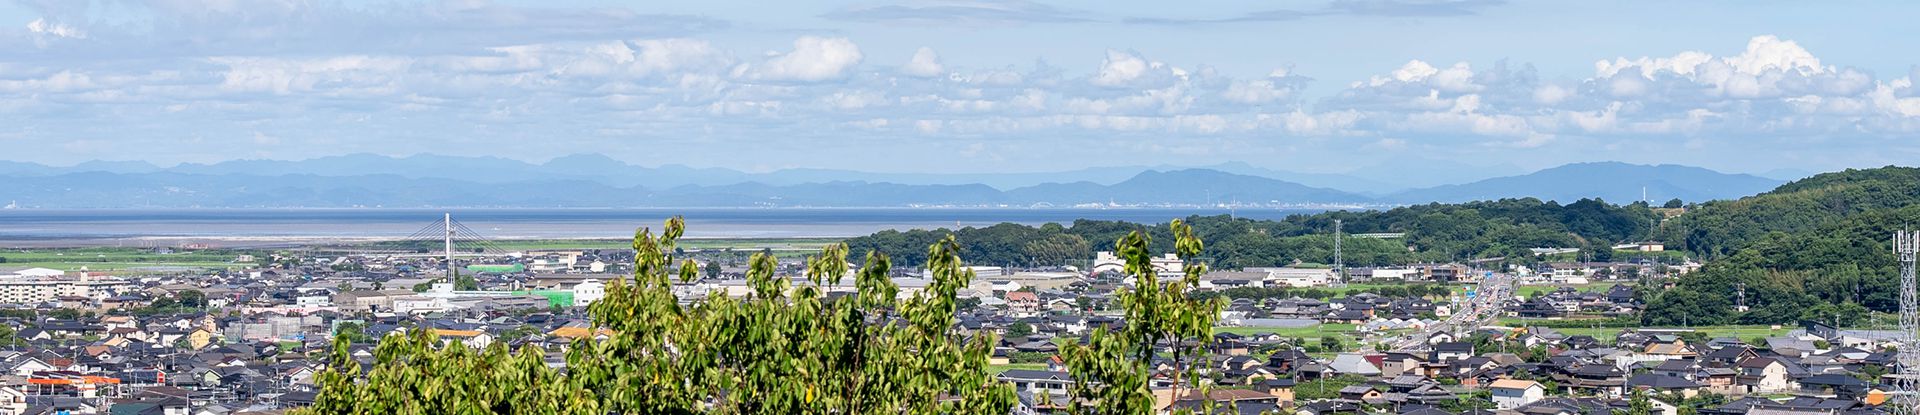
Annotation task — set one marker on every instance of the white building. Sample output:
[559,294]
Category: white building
[313,301]
[1297,277]
[1106,261]
[978,272]
[586,292]
[1404,274]
[39,272]
[1515,393]
[37,289]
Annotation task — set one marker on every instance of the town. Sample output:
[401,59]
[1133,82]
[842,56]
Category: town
[1438,338]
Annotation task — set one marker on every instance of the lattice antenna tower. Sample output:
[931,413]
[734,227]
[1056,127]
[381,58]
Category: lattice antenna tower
[1907,382]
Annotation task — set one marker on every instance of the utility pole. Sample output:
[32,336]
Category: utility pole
[1339,265]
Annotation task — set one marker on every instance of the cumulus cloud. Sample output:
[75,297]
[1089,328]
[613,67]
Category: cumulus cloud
[1772,87]
[1130,69]
[812,59]
[590,93]
[924,64]
[43,27]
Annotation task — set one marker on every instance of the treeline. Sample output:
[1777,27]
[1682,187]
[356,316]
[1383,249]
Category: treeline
[1434,232]
[1722,228]
[1816,249]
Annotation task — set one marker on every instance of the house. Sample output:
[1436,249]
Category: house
[1765,375]
[471,338]
[12,401]
[1514,393]
[1452,351]
[1659,384]
[26,365]
[1281,388]
[1240,400]
[1360,393]
[1023,301]
[1050,382]
[1834,385]
[1397,363]
[1353,364]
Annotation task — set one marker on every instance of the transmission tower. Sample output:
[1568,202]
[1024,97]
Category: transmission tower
[448,221]
[1741,304]
[1907,382]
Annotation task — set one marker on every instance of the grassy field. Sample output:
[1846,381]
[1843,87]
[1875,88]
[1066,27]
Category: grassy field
[1344,332]
[118,266]
[1531,291]
[110,259]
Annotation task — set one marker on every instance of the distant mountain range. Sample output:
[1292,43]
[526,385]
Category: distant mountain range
[597,181]
[1615,182]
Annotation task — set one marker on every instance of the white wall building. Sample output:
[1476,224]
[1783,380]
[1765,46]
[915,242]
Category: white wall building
[1297,277]
[1515,393]
[586,292]
[1106,261]
[35,290]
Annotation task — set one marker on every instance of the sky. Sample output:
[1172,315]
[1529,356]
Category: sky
[967,86]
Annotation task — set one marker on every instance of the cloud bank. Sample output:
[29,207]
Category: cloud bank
[293,78]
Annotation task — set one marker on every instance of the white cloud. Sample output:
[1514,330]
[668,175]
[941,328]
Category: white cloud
[812,59]
[1123,68]
[674,88]
[924,64]
[1773,87]
[61,30]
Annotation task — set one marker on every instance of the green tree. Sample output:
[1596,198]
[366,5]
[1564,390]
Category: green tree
[1112,369]
[1332,344]
[1639,404]
[782,349]
[1019,329]
[712,269]
[462,282]
[1674,204]
[8,337]
[352,332]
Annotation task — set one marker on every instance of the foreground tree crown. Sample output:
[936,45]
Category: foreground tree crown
[783,349]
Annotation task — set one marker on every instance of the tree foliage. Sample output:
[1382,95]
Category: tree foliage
[783,349]
[1112,370]
[1811,249]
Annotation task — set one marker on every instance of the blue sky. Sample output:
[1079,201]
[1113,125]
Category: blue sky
[967,86]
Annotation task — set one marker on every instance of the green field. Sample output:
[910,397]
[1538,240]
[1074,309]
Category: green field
[110,259]
[1531,291]
[118,266]
[1344,332]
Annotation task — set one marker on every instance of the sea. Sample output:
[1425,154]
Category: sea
[28,225]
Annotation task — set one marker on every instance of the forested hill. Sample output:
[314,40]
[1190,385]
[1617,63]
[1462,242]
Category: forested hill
[1719,228]
[1436,232]
[1818,248]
